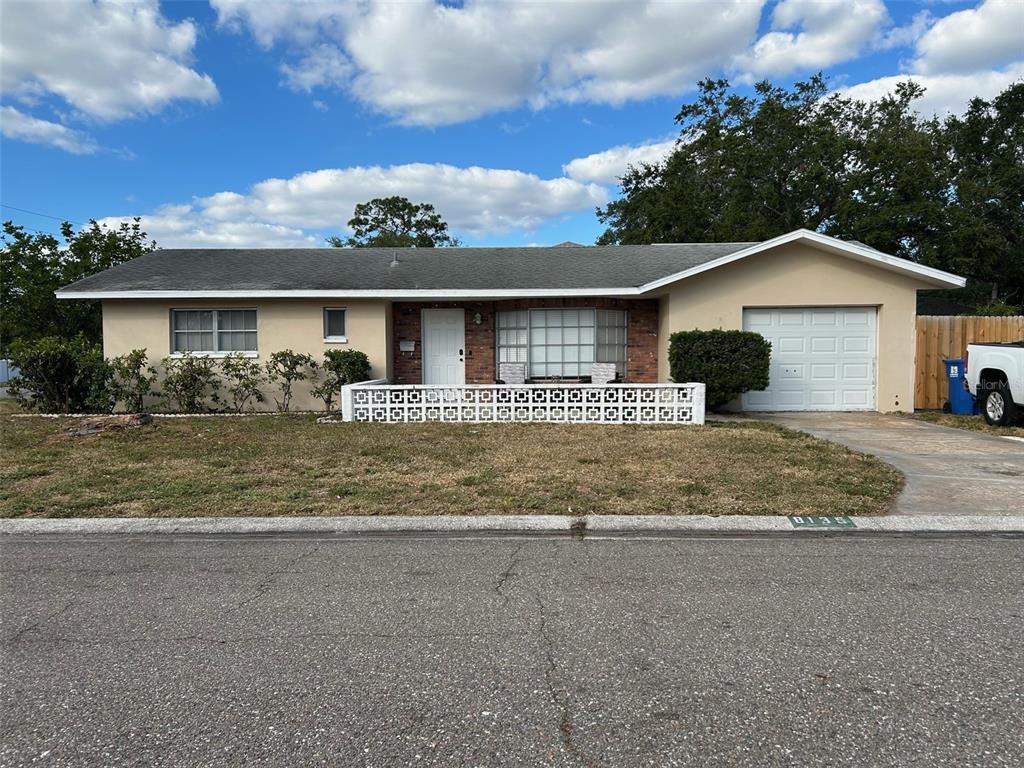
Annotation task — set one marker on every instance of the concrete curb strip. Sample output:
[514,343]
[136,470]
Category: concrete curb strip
[501,523]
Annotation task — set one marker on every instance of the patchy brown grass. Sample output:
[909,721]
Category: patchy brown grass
[267,465]
[975,423]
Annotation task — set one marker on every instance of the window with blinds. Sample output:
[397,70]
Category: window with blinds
[213,330]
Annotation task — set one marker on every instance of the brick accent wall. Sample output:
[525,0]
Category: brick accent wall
[641,335]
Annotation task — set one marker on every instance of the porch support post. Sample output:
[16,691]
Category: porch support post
[699,398]
[346,402]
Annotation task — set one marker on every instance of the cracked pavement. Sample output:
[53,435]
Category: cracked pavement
[511,650]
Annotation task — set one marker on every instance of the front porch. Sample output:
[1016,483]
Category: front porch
[586,360]
[456,343]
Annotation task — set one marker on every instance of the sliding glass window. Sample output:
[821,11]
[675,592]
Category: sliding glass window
[212,331]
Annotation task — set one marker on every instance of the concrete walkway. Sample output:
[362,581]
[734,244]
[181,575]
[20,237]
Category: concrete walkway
[949,471]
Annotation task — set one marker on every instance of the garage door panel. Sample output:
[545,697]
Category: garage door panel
[783,372]
[791,398]
[855,319]
[858,372]
[824,372]
[757,319]
[857,344]
[823,358]
[857,398]
[825,345]
[789,345]
[823,398]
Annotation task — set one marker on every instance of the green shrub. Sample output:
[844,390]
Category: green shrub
[189,384]
[61,376]
[285,368]
[132,380]
[728,362]
[242,377]
[340,367]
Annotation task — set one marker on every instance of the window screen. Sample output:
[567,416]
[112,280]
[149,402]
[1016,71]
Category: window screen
[334,323]
[213,330]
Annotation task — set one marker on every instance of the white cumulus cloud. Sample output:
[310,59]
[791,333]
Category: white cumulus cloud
[608,166]
[186,226]
[109,60]
[807,35]
[975,52]
[323,66]
[427,63]
[286,212]
[944,94]
[985,37]
[15,124]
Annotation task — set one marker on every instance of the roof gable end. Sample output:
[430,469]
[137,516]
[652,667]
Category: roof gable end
[849,249]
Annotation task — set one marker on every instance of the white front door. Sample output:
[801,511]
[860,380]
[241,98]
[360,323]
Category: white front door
[823,358]
[444,342]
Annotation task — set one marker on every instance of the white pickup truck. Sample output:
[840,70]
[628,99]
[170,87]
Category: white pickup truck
[995,374]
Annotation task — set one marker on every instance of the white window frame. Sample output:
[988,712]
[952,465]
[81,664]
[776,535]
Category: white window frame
[216,353]
[529,328]
[328,339]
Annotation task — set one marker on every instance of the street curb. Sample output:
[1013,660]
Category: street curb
[694,524]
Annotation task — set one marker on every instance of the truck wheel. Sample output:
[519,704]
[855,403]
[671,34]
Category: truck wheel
[998,406]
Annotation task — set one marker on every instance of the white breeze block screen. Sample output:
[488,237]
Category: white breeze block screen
[558,403]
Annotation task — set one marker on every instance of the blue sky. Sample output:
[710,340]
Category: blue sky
[261,123]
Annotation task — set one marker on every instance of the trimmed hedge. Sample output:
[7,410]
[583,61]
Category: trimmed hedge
[728,362]
[61,376]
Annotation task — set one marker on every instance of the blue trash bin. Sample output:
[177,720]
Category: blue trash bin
[961,402]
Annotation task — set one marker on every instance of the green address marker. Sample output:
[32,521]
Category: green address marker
[821,521]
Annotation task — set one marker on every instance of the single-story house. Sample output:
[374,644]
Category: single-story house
[839,315]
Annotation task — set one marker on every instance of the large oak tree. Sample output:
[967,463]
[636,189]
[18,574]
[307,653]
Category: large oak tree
[943,193]
[395,222]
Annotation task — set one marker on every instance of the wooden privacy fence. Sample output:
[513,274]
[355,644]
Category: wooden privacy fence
[942,337]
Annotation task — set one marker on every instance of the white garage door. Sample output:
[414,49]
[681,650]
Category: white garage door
[823,358]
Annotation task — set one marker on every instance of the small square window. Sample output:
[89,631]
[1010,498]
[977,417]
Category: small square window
[334,324]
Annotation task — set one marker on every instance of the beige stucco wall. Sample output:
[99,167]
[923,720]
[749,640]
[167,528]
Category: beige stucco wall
[799,275]
[295,324]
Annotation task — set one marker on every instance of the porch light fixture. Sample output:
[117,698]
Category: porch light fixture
[477,319]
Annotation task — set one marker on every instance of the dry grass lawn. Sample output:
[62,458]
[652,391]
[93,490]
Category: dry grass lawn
[267,465]
[976,423]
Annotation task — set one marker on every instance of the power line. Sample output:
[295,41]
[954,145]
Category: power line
[37,213]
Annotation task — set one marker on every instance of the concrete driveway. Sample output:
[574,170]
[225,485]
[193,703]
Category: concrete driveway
[949,471]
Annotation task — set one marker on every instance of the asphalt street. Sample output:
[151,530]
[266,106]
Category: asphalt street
[512,650]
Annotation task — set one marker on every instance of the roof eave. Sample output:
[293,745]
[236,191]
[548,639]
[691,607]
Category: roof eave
[394,295]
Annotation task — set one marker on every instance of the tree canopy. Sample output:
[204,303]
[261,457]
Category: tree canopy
[34,265]
[946,193]
[395,222]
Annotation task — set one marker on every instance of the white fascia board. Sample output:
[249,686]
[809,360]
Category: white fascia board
[394,295]
[938,277]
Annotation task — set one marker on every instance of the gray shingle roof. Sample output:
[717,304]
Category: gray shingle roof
[342,269]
